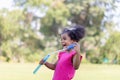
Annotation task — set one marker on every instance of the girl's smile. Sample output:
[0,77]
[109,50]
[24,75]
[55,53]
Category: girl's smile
[65,40]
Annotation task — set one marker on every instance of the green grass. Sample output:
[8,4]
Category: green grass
[15,71]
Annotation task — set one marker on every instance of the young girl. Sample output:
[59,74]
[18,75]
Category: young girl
[68,61]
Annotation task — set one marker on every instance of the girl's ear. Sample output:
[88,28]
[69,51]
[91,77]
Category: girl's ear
[73,41]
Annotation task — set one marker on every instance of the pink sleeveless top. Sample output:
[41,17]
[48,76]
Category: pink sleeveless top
[64,68]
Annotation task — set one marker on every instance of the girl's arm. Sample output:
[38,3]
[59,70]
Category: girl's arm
[76,58]
[49,65]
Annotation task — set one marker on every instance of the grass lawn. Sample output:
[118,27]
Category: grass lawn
[17,71]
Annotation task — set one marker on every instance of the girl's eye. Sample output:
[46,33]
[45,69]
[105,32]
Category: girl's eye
[64,38]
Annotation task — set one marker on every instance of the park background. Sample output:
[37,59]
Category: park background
[30,29]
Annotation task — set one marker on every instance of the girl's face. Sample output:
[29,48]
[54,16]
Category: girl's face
[65,40]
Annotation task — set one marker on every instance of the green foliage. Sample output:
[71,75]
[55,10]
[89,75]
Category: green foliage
[92,55]
[56,16]
[20,42]
[111,49]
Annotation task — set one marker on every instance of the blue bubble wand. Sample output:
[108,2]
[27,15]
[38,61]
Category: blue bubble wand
[47,56]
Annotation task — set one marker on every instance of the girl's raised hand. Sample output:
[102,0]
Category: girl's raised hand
[77,47]
[41,62]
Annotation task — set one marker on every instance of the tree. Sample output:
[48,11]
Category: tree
[111,49]
[18,39]
[48,17]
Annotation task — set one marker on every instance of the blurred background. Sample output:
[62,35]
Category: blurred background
[30,29]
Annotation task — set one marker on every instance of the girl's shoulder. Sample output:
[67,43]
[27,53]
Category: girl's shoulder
[70,52]
[60,54]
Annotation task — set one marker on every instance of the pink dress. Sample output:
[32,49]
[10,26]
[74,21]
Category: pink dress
[64,68]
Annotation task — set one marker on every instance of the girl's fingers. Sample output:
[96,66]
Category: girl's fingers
[77,44]
[41,62]
[77,47]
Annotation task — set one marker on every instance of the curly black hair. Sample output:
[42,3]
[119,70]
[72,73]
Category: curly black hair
[75,33]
